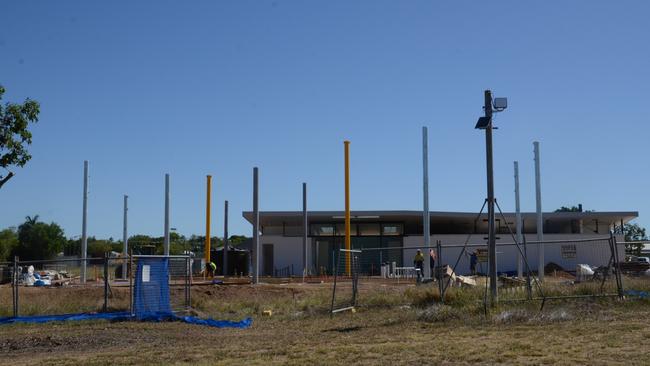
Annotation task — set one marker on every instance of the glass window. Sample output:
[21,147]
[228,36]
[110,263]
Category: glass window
[369,229]
[322,230]
[392,229]
[340,229]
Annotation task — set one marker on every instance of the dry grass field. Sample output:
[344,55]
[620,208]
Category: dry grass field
[393,325]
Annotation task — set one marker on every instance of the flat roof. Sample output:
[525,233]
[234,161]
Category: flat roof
[273,218]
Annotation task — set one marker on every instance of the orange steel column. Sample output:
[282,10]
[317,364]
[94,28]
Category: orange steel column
[347,206]
[207,221]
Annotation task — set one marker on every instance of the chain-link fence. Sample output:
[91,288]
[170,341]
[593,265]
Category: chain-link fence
[571,268]
[53,287]
[58,286]
[346,280]
[160,282]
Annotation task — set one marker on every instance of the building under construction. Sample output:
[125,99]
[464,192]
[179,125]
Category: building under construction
[393,236]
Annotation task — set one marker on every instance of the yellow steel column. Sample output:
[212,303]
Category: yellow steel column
[207,221]
[347,206]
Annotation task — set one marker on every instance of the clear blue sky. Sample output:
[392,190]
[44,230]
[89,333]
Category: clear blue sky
[141,89]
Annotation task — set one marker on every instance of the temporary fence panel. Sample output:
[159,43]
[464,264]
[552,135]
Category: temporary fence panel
[345,288]
[160,285]
[52,287]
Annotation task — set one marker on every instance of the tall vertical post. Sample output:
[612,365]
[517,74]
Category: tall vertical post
[540,220]
[225,239]
[208,200]
[348,245]
[305,231]
[166,240]
[256,227]
[125,235]
[106,279]
[15,286]
[492,249]
[425,190]
[84,233]
[520,264]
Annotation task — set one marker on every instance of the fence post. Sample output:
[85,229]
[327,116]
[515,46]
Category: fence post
[188,271]
[438,275]
[529,288]
[15,283]
[105,282]
[334,286]
[619,278]
[130,270]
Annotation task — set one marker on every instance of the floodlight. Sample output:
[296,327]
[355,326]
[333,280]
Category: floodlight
[500,103]
[483,122]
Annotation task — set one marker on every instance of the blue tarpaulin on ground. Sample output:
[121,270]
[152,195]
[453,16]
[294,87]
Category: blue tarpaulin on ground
[66,317]
[123,316]
[217,323]
[640,294]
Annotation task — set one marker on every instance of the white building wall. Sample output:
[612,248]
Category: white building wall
[592,253]
[287,251]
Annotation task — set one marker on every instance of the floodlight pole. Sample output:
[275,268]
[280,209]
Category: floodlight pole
[208,212]
[256,227]
[425,189]
[348,245]
[540,220]
[166,238]
[84,233]
[125,235]
[520,265]
[492,249]
[305,231]
[225,239]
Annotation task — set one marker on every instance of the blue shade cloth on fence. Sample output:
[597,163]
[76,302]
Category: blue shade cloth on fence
[151,290]
[123,316]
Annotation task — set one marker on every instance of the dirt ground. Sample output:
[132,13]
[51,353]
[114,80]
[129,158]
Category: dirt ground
[391,328]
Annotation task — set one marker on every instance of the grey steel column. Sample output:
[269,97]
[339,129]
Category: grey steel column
[256,227]
[166,241]
[425,190]
[540,220]
[125,236]
[520,264]
[305,230]
[84,234]
[492,249]
[225,238]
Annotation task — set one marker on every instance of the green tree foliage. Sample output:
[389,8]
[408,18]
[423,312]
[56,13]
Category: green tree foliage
[14,133]
[235,240]
[568,209]
[633,233]
[98,248]
[572,209]
[38,240]
[8,241]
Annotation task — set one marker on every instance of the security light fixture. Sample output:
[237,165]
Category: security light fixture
[500,104]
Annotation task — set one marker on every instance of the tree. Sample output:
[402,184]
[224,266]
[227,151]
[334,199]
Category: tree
[577,208]
[569,209]
[14,133]
[237,239]
[38,240]
[633,233]
[8,241]
[98,248]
